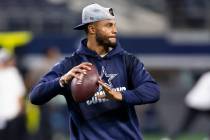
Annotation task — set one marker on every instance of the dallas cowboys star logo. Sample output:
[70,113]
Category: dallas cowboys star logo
[107,77]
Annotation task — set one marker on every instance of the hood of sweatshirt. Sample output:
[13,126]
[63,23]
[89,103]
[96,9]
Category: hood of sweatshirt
[84,50]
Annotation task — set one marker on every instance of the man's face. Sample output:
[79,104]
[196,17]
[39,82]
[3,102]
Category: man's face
[106,33]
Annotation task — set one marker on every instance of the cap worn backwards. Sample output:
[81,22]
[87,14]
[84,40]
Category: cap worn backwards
[93,13]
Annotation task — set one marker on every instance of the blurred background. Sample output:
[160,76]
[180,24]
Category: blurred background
[171,37]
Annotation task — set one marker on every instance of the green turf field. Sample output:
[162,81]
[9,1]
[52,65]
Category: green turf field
[182,137]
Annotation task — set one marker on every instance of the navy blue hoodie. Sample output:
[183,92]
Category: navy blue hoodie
[102,119]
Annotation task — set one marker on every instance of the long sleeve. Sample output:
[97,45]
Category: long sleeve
[144,88]
[48,87]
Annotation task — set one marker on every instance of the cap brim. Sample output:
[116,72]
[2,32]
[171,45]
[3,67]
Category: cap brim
[80,26]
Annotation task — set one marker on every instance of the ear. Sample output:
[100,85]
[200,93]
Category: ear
[91,29]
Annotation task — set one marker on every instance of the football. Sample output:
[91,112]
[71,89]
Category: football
[84,89]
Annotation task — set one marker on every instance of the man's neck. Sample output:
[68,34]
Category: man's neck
[93,45]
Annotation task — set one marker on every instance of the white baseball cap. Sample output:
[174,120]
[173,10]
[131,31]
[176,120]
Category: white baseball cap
[94,12]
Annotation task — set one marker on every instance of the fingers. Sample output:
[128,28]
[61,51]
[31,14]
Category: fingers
[106,89]
[101,96]
[78,76]
[80,69]
[104,85]
[110,94]
[78,72]
[85,65]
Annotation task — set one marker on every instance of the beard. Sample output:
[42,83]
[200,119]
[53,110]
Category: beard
[104,41]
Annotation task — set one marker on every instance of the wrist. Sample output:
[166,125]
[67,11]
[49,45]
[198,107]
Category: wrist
[65,80]
[62,82]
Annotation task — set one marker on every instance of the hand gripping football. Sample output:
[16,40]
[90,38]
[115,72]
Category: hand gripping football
[84,89]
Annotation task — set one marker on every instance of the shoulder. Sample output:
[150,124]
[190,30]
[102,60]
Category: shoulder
[131,58]
[67,63]
[66,60]
[129,55]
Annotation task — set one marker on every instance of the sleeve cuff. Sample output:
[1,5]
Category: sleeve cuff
[57,84]
[125,96]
